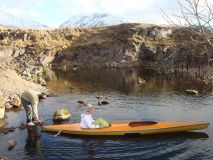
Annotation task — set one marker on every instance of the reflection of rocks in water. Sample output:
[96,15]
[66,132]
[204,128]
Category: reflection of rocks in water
[99,79]
[184,81]
[33,145]
[127,81]
[57,83]
[89,147]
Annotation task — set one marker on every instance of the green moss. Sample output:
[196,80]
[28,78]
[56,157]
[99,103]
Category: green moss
[45,71]
[62,111]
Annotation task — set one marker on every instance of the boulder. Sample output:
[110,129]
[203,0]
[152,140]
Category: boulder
[41,81]
[26,73]
[45,60]
[141,81]
[16,102]
[8,106]
[191,91]
[61,115]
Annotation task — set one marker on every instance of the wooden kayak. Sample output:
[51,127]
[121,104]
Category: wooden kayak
[128,128]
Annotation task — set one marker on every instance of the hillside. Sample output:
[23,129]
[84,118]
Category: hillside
[123,45]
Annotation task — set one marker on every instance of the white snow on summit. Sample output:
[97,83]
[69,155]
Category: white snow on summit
[12,21]
[95,20]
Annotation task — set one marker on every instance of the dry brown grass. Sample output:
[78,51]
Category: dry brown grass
[61,39]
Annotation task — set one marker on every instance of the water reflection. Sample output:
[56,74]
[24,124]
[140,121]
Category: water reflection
[33,144]
[125,81]
[128,146]
[89,145]
[165,136]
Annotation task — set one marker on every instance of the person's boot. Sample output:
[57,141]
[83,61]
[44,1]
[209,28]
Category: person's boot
[30,124]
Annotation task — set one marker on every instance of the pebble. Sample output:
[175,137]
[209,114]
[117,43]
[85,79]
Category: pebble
[11,144]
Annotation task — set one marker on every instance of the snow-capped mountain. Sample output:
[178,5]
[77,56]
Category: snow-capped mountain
[10,20]
[95,20]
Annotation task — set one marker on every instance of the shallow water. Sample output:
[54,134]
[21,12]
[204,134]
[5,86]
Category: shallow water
[162,98]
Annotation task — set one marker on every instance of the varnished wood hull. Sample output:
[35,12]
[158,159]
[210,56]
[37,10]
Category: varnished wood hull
[125,128]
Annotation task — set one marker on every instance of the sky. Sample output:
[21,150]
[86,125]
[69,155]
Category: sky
[54,12]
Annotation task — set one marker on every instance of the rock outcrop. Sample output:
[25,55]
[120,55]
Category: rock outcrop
[163,49]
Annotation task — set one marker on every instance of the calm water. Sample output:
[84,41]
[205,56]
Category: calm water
[160,99]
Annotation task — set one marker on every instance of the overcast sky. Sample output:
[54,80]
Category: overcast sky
[55,12]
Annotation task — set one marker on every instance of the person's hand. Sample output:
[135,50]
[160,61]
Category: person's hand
[38,121]
[100,126]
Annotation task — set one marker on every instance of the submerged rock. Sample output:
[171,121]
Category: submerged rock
[81,102]
[100,97]
[11,144]
[22,126]
[3,158]
[7,130]
[61,114]
[102,102]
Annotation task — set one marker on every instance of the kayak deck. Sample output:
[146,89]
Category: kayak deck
[128,128]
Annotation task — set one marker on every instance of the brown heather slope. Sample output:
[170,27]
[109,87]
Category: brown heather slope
[124,45]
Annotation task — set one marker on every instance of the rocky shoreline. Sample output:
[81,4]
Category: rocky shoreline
[12,85]
[27,55]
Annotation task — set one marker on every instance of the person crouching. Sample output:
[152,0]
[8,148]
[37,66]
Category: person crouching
[30,101]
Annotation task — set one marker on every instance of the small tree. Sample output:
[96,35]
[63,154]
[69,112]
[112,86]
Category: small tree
[196,15]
